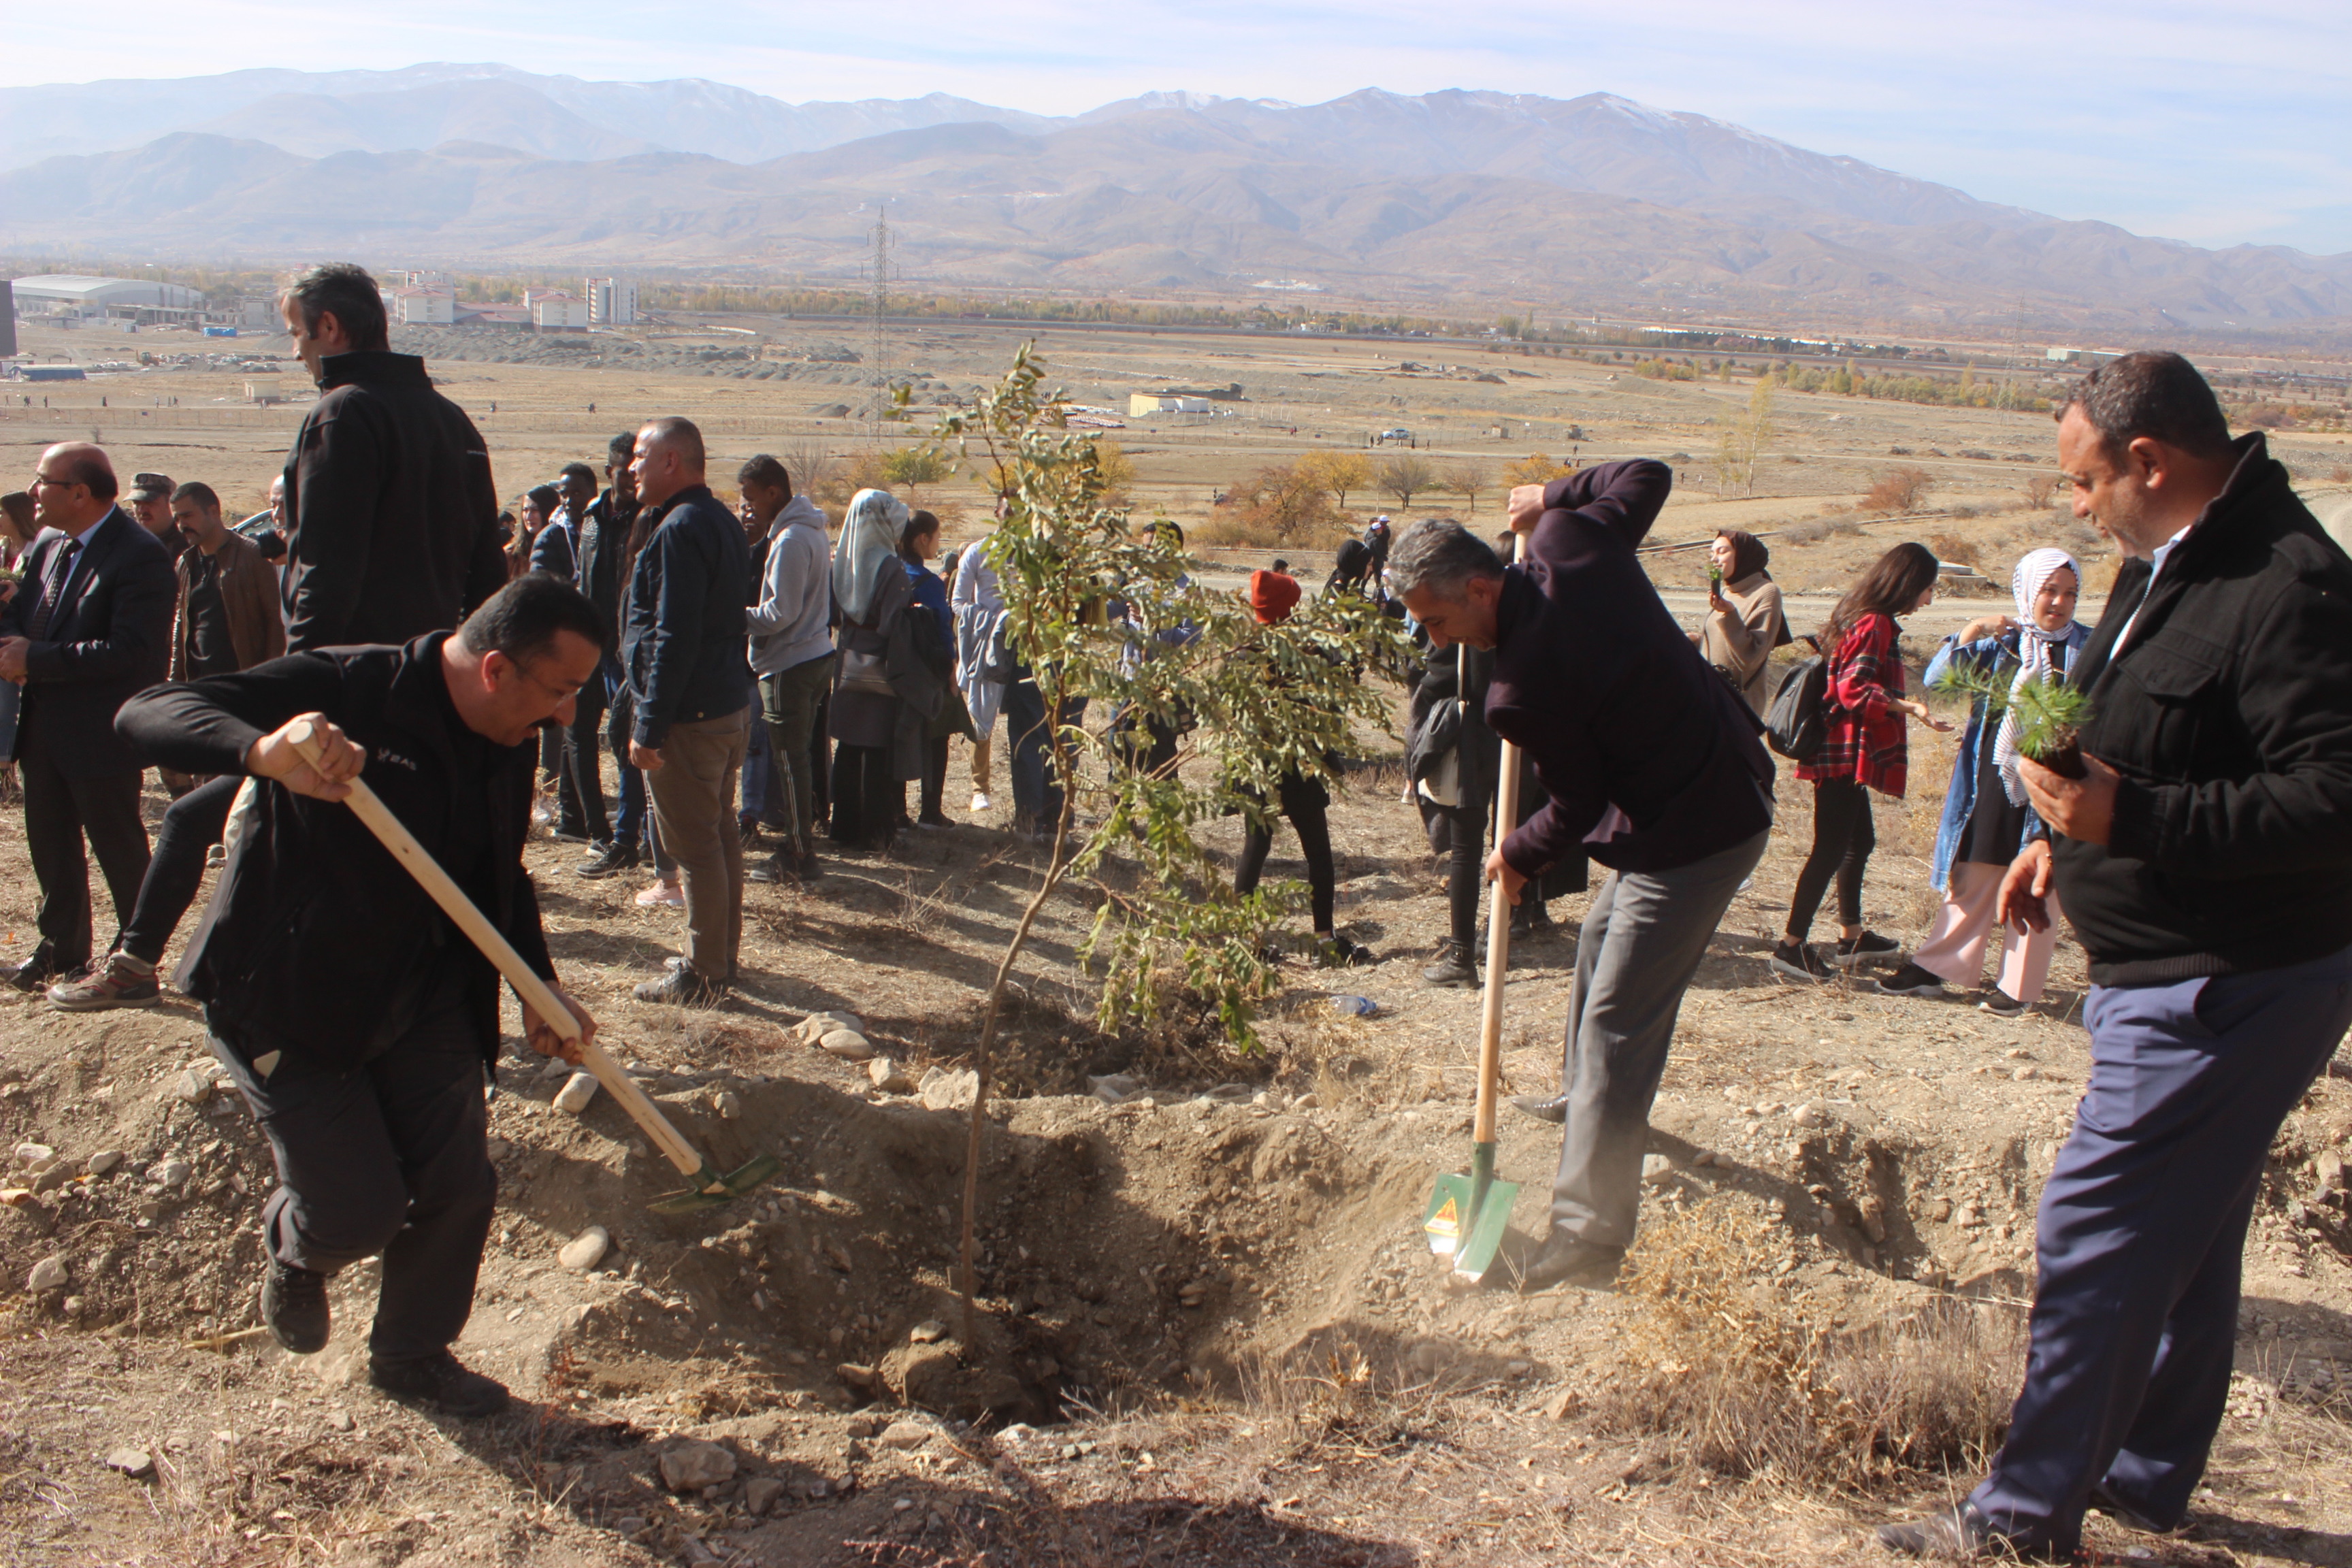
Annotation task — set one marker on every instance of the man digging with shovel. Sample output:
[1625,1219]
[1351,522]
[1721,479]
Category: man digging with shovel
[355,1016]
[1653,765]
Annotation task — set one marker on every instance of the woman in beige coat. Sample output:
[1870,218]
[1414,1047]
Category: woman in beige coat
[1744,621]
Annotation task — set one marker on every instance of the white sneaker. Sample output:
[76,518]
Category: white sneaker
[980,800]
[663,893]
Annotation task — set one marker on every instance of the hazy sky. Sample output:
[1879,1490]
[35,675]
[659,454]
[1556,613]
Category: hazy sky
[2217,124]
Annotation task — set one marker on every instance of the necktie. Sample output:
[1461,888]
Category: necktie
[53,588]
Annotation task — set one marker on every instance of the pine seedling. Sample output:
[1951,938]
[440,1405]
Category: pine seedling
[2050,713]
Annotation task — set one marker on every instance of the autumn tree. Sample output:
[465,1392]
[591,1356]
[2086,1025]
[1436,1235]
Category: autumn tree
[1405,476]
[1744,439]
[1465,480]
[915,466]
[1535,469]
[1279,504]
[1338,472]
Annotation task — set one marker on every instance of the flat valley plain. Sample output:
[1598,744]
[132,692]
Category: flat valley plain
[1212,1329]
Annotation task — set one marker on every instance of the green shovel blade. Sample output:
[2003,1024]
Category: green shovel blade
[1484,1240]
[712,1190]
[1468,1214]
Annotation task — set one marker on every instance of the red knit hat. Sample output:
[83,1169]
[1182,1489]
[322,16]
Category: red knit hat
[1272,596]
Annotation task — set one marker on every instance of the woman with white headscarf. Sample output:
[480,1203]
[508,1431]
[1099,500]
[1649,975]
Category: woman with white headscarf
[979,607]
[1986,818]
[869,593]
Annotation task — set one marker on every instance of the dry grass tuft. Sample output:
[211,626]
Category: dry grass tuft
[1730,1373]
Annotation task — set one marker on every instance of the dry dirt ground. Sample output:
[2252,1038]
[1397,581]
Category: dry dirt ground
[1212,1331]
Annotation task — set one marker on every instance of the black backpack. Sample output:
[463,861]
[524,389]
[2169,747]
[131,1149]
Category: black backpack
[1797,719]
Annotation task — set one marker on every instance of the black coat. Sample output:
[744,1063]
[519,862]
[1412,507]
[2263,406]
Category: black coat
[1608,698]
[392,518]
[604,541]
[109,639]
[314,925]
[2229,714]
[552,551]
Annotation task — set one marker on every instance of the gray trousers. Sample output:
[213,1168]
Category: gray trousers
[1641,944]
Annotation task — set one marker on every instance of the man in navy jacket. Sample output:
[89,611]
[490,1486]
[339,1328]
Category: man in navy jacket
[685,651]
[1655,770]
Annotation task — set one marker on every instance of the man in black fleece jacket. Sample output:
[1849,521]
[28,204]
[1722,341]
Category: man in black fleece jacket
[354,1015]
[1653,769]
[2205,861]
[391,513]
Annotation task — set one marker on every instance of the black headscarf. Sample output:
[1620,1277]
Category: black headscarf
[1748,556]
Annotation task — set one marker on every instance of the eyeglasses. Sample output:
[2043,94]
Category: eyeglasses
[40,478]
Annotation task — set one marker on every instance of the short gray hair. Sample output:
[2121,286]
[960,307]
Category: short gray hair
[1441,556]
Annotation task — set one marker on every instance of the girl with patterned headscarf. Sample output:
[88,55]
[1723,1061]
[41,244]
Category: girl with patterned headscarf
[1986,818]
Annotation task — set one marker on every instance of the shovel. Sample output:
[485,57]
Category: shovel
[708,1187]
[1468,1214]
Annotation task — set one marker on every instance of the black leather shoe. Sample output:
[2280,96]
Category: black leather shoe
[294,1306]
[1961,1533]
[36,972]
[1567,1259]
[440,1380]
[684,988]
[2123,1513]
[1551,1108]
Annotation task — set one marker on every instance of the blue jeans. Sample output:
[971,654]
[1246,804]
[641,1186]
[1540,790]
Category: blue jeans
[1036,795]
[757,776]
[2142,1233]
[629,813]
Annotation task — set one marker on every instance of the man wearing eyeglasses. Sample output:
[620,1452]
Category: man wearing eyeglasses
[90,627]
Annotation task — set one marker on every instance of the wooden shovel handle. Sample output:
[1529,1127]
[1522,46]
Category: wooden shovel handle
[1498,934]
[396,836]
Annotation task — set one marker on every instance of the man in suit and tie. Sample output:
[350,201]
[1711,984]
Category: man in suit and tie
[90,627]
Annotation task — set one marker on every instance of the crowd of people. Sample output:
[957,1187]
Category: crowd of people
[757,681]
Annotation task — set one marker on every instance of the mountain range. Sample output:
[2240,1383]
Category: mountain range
[1591,203]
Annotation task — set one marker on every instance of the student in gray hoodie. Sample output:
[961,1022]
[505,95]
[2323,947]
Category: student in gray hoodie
[791,652]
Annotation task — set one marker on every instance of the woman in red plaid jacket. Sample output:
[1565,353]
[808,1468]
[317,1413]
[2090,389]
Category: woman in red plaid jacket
[1862,750]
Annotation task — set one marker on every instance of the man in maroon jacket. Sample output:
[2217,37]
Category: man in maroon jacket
[1653,767]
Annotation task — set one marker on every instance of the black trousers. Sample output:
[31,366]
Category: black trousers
[867,799]
[60,811]
[192,825]
[579,783]
[1466,867]
[1843,840]
[1307,805]
[820,765]
[935,778]
[384,1158]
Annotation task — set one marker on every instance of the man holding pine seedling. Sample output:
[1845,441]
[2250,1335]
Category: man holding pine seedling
[2201,839]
